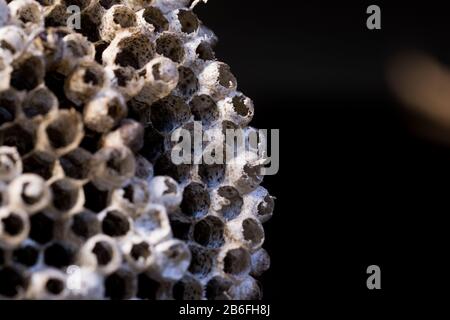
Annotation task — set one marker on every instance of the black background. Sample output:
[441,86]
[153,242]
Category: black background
[357,186]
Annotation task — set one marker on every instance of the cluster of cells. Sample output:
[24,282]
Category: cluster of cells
[92,205]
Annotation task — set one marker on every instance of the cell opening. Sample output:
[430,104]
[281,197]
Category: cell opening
[91,78]
[23,138]
[188,82]
[39,102]
[13,224]
[100,46]
[237,261]
[12,282]
[154,16]
[266,207]
[135,51]
[209,232]
[27,255]
[123,76]
[147,287]
[65,194]
[253,231]
[187,288]
[212,174]
[85,225]
[180,229]
[54,286]
[95,199]
[107,4]
[40,163]
[124,17]
[29,13]
[139,250]
[63,130]
[119,285]
[239,106]
[226,78]
[76,164]
[156,72]
[8,107]
[115,224]
[170,46]
[204,109]
[178,290]
[188,20]
[196,200]
[27,73]
[205,51]
[58,255]
[164,166]
[201,261]
[233,209]
[90,26]
[153,144]
[103,253]
[42,228]
[217,288]
[169,113]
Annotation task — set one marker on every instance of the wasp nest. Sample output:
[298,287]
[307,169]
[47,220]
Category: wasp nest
[92,206]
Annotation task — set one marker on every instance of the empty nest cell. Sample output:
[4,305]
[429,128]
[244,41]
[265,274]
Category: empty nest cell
[232,208]
[170,46]
[209,232]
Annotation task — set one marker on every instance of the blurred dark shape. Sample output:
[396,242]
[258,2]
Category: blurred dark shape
[422,84]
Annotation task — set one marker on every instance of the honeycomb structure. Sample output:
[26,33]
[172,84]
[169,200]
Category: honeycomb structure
[92,206]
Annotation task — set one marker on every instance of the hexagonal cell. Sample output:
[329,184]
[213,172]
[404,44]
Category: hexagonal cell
[14,282]
[20,135]
[115,223]
[84,224]
[204,109]
[28,72]
[66,195]
[253,232]
[188,21]
[237,262]
[217,288]
[134,51]
[205,51]
[14,226]
[170,46]
[120,285]
[64,132]
[187,288]
[26,255]
[212,174]
[202,261]
[76,164]
[233,209]
[187,82]
[58,255]
[42,228]
[39,102]
[209,232]
[169,113]
[9,105]
[196,200]
[41,163]
[147,287]
[154,16]
[164,166]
